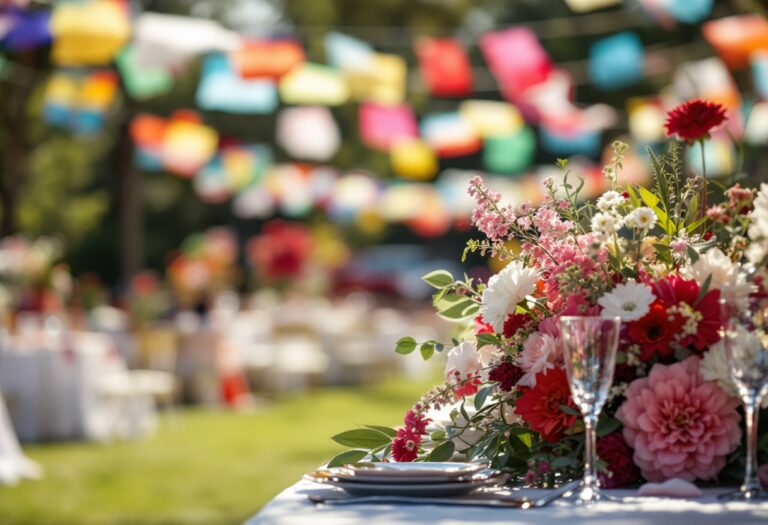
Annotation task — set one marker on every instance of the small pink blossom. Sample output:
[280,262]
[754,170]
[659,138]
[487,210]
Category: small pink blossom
[679,425]
[540,352]
[679,245]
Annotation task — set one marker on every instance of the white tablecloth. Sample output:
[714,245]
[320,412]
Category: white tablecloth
[292,507]
[57,393]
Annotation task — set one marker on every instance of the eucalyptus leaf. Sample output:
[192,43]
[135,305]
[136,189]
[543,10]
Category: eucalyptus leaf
[347,457]
[362,437]
[438,279]
[442,452]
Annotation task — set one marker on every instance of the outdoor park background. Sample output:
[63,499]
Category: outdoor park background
[138,197]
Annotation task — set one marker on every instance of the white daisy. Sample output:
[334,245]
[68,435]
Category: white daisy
[643,218]
[609,200]
[630,301]
[724,275]
[504,291]
[606,223]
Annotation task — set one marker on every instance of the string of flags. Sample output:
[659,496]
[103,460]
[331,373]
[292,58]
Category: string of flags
[537,109]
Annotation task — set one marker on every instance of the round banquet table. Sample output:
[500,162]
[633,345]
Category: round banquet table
[291,507]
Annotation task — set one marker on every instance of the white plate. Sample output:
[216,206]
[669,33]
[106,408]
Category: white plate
[427,472]
[444,489]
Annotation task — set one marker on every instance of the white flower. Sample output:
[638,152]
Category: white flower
[606,223]
[758,230]
[714,367]
[630,301]
[724,275]
[504,291]
[465,361]
[540,352]
[609,200]
[643,218]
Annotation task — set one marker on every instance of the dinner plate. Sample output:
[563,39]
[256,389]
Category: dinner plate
[443,489]
[426,472]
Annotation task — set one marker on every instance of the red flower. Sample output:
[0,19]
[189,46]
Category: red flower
[655,331]
[540,406]
[701,317]
[405,447]
[416,422]
[614,451]
[514,323]
[506,375]
[481,327]
[694,119]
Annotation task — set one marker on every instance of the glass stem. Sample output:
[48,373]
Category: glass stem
[751,411]
[590,452]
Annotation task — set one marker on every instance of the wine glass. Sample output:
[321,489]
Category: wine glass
[589,345]
[745,338]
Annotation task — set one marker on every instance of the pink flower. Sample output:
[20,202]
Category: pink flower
[541,352]
[679,425]
[405,446]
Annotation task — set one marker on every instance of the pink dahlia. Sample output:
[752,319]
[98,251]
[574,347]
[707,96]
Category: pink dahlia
[679,425]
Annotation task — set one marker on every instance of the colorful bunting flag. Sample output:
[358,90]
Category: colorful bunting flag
[210,183]
[616,61]
[267,59]
[511,153]
[735,38]
[142,83]
[147,132]
[646,119]
[24,30]
[78,101]
[583,6]
[169,42]
[254,203]
[88,33]
[353,194]
[445,67]
[490,117]
[380,126]
[308,133]
[756,132]
[245,165]
[383,82]
[688,11]
[313,84]
[221,89]
[517,60]
[187,144]
[760,73]
[567,142]
[347,53]
[449,135]
[413,159]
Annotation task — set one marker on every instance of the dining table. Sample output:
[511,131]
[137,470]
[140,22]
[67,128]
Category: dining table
[293,507]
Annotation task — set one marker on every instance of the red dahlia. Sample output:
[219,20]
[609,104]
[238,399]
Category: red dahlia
[539,406]
[514,323]
[694,119]
[655,331]
[405,446]
[701,316]
[613,450]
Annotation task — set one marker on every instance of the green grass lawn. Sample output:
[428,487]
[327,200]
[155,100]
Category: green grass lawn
[202,466]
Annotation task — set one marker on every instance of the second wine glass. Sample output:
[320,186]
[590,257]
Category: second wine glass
[589,347]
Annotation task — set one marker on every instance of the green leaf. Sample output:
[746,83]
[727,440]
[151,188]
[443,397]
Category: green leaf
[405,345]
[438,279]
[693,255]
[704,289]
[648,197]
[606,425]
[694,225]
[391,432]
[442,452]
[564,462]
[570,411]
[427,350]
[633,198]
[362,437]
[437,435]
[486,339]
[482,395]
[347,457]
[460,310]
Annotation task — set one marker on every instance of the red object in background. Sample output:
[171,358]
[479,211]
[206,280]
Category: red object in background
[445,67]
[281,251]
[736,38]
[265,59]
[517,60]
[147,130]
[233,388]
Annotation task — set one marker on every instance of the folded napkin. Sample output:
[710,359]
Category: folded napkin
[675,487]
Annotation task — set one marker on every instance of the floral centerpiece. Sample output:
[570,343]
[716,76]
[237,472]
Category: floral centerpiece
[660,259]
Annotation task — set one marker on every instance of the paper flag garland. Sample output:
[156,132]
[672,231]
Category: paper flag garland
[760,73]
[444,67]
[142,83]
[187,144]
[380,126]
[490,117]
[616,61]
[313,84]
[254,203]
[688,11]
[267,59]
[308,133]
[88,33]
[449,135]
[169,41]
[570,142]
[382,82]
[221,89]
[517,60]
[78,101]
[719,157]
[735,38]
[756,132]
[352,194]
[147,132]
[646,120]
[511,153]
[413,159]
[347,53]
[210,183]
[25,30]
[245,165]
[583,6]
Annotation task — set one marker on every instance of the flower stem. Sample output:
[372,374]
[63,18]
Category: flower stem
[703,206]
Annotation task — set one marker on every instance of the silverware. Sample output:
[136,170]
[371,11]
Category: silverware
[552,495]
